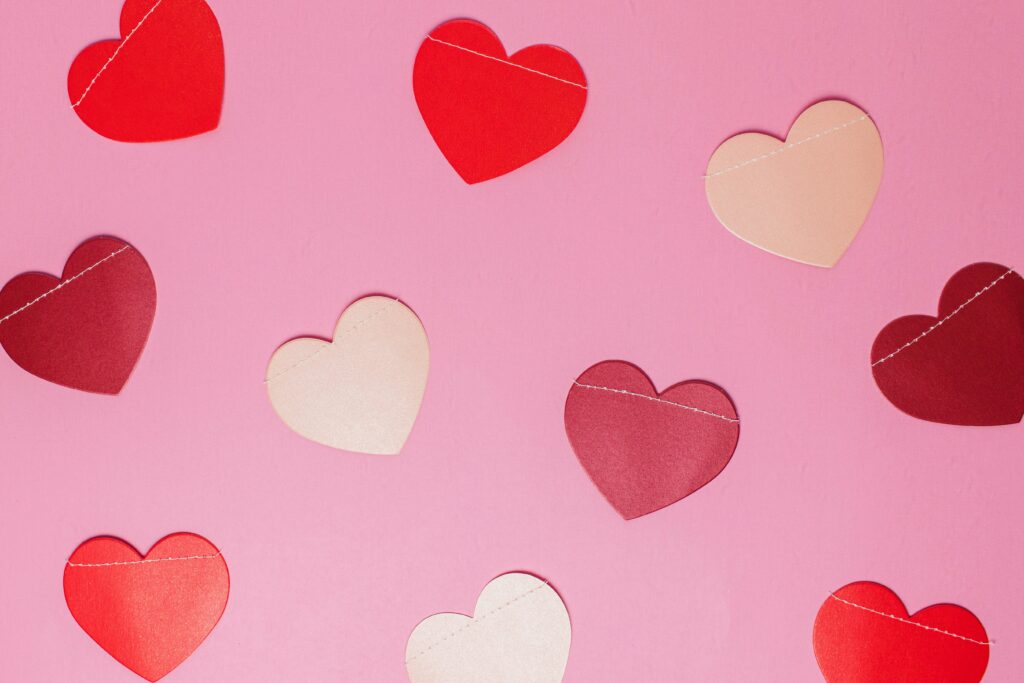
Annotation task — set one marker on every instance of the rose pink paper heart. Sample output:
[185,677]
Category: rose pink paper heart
[644,450]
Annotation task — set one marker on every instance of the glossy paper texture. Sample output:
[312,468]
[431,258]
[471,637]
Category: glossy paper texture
[519,633]
[162,80]
[807,197]
[86,329]
[150,613]
[360,392]
[645,454]
[490,113]
[965,366]
[862,635]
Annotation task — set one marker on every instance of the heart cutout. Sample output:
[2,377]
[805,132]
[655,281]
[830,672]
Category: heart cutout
[864,634]
[87,329]
[966,366]
[520,633]
[804,199]
[362,391]
[163,80]
[149,613]
[644,450]
[491,113]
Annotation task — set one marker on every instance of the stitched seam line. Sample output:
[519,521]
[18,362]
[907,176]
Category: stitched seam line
[505,61]
[658,400]
[344,335]
[111,59]
[943,321]
[475,620]
[782,149]
[62,284]
[159,559]
[912,623]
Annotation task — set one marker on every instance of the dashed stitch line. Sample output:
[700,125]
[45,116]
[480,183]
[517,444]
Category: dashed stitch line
[791,145]
[943,321]
[159,559]
[912,623]
[123,43]
[62,284]
[658,400]
[505,61]
[475,620]
[330,344]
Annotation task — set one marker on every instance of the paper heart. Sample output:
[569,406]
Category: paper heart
[863,634]
[491,113]
[86,330]
[163,80]
[360,392]
[150,613]
[805,198]
[520,633]
[966,366]
[644,450]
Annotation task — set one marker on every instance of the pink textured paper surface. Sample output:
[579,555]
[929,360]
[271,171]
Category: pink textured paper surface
[322,185]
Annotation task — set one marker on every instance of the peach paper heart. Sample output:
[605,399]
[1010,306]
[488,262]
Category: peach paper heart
[806,198]
[519,633]
[360,392]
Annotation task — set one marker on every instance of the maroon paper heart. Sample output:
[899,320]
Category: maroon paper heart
[86,329]
[966,366]
[644,450]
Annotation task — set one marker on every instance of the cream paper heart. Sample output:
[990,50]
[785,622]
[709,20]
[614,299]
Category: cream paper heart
[519,633]
[360,392]
[805,198]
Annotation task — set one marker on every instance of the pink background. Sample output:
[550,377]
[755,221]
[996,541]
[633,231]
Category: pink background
[322,185]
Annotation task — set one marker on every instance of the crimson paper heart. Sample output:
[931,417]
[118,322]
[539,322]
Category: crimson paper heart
[646,450]
[87,329]
[490,113]
[163,80]
[863,634]
[966,366]
[150,613]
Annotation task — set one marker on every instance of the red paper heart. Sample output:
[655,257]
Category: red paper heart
[491,113]
[149,613]
[863,634]
[86,330]
[163,80]
[646,450]
[965,367]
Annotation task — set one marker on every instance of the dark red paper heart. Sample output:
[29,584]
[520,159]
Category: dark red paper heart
[863,634]
[86,330]
[490,113]
[149,613]
[163,80]
[644,450]
[966,366]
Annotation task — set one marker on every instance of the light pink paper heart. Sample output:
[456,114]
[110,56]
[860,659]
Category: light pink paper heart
[804,199]
[519,633]
[360,392]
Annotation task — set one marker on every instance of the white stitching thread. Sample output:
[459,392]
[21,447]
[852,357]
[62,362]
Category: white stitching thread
[344,335]
[62,284]
[912,623]
[476,620]
[504,61]
[782,149]
[159,559]
[658,400]
[107,63]
[941,322]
